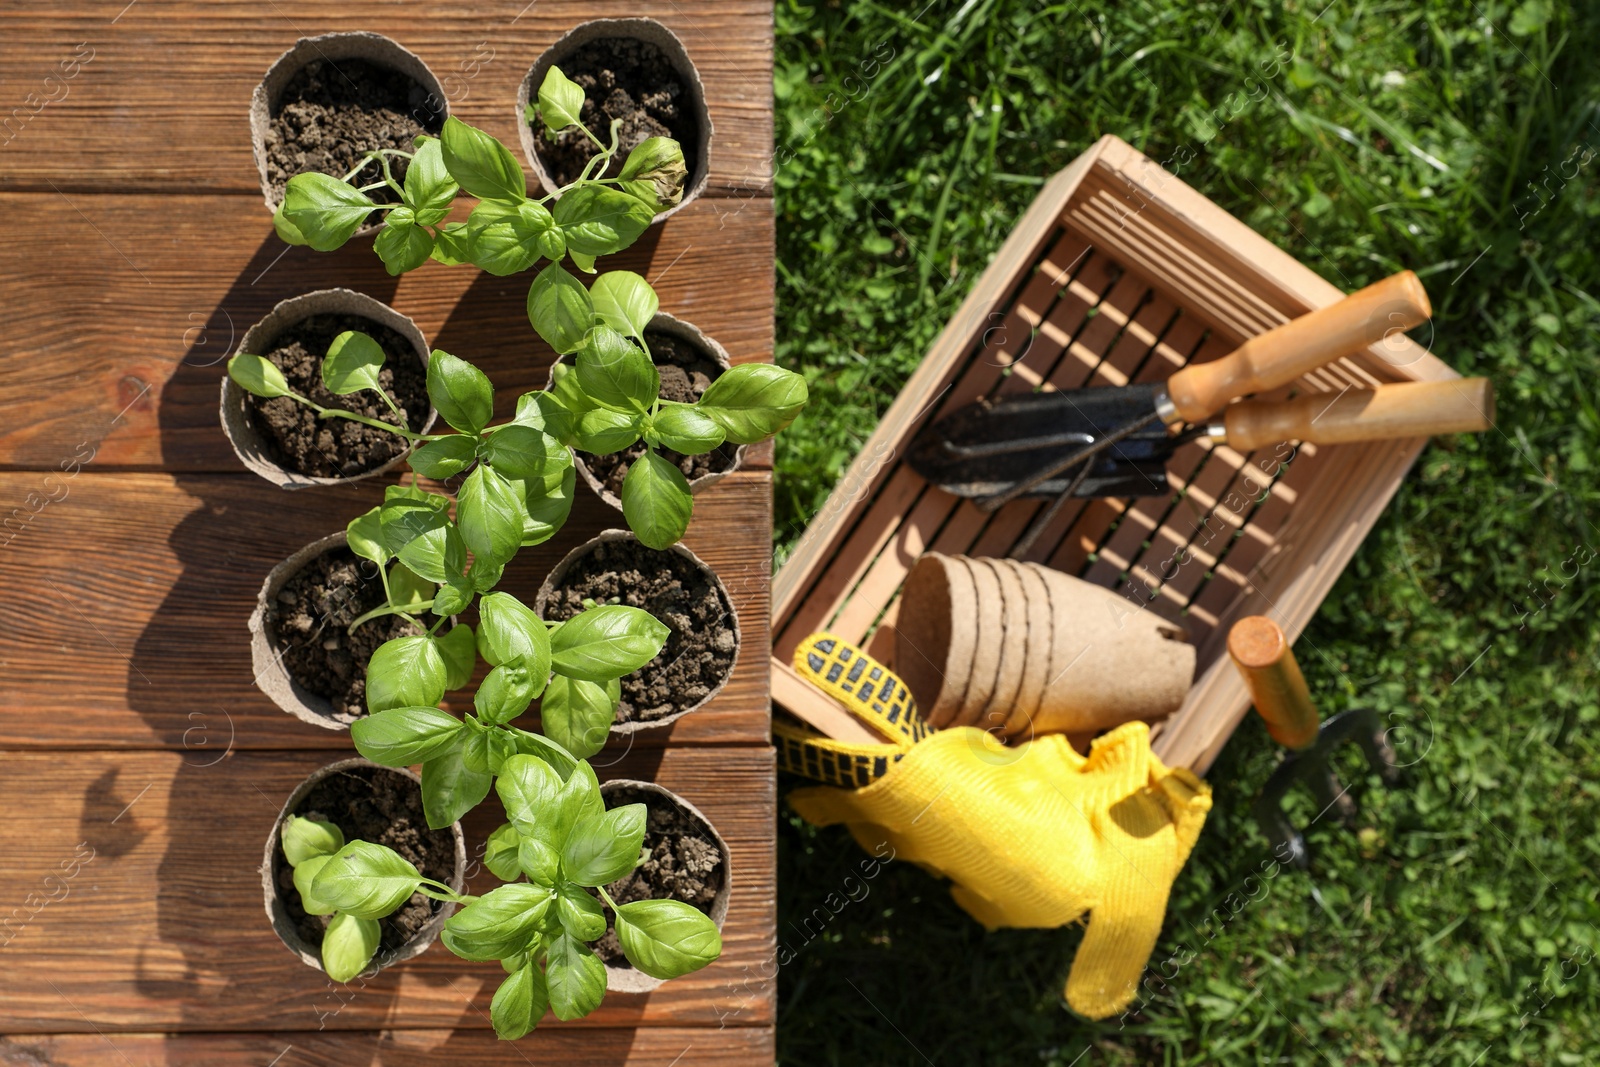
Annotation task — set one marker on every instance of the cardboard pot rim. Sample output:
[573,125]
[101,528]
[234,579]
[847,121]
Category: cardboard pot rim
[559,571]
[683,330]
[247,441]
[278,915]
[645,29]
[629,979]
[272,677]
[375,48]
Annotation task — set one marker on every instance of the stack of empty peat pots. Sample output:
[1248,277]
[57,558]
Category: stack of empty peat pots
[1019,649]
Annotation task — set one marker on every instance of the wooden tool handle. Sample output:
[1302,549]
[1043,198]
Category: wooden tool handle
[1408,409]
[1277,687]
[1281,355]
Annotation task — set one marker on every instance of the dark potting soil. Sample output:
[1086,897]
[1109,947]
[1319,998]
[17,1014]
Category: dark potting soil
[628,79]
[384,807]
[292,434]
[331,114]
[685,864]
[686,373]
[308,622]
[700,649]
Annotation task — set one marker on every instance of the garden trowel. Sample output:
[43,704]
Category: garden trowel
[1043,427]
[1005,448]
[1261,652]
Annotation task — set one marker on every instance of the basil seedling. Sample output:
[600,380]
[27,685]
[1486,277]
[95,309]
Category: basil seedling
[559,844]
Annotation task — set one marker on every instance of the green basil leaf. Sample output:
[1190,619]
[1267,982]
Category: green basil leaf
[444,458]
[657,165]
[451,245]
[685,428]
[575,976]
[581,261]
[505,693]
[407,588]
[506,237]
[422,535]
[624,300]
[603,431]
[613,371]
[606,642]
[560,101]
[306,873]
[600,849]
[325,210]
[348,945]
[364,535]
[500,853]
[560,309]
[549,501]
[400,737]
[352,364]
[547,750]
[402,244]
[517,451]
[539,804]
[287,231]
[498,923]
[303,839]
[568,393]
[519,1003]
[258,376]
[452,597]
[489,513]
[450,789]
[753,401]
[484,749]
[529,789]
[459,650]
[578,714]
[428,186]
[598,221]
[366,880]
[406,672]
[510,633]
[656,501]
[540,862]
[460,391]
[480,164]
[543,411]
[667,938]
[580,913]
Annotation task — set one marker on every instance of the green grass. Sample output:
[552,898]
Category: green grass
[1436,136]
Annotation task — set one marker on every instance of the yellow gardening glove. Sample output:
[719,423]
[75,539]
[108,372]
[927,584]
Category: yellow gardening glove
[1036,835]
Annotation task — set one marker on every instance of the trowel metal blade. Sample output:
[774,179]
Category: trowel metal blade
[991,445]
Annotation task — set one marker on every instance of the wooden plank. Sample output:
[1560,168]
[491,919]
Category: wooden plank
[131,375]
[135,590]
[163,927]
[162,101]
[648,1047]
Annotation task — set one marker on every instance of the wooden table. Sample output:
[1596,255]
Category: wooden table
[139,767]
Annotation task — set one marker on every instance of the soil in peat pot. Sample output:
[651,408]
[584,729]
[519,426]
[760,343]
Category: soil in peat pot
[686,373]
[699,651]
[627,79]
[292,434]
[331,114]
[684,863]
[384,807]
[308,622]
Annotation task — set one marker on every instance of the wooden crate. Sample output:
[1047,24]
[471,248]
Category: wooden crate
[1118,273]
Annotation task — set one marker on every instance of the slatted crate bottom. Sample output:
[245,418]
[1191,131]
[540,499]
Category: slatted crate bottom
[1118,273]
